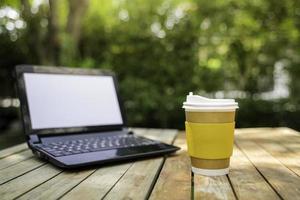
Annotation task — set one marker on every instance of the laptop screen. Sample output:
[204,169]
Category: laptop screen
[65,101]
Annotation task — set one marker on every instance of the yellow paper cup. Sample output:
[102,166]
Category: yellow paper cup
[210,132]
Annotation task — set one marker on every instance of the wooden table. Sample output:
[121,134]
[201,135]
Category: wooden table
[265,165]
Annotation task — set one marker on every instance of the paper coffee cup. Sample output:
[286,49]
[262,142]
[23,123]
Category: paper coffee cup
[210,127]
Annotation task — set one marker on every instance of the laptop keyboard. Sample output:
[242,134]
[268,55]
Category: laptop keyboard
[93,144]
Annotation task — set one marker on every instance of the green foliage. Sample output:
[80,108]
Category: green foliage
[261,113]
[161,50]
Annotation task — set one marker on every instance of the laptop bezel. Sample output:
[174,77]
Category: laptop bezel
[21,69]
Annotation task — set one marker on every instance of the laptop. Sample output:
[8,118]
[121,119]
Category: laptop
[74,117]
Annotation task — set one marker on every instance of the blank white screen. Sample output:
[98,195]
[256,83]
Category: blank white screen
[62,101]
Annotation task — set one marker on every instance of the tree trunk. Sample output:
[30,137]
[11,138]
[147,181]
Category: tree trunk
[77,10]
[34,42]
[53,47]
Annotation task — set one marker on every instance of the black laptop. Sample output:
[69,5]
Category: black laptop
[74,117]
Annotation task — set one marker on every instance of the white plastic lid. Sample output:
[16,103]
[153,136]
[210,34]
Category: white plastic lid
[198,103]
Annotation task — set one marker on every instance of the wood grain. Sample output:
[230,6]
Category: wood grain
[15,158]
[284,181]
[286,137]
[214,187]
[247,182]
[279,143]
[174,181]
[57,186]
[22,184]
[19,169]
[175,175]
[265,165]
[12,150]
[99,183]
[138,179]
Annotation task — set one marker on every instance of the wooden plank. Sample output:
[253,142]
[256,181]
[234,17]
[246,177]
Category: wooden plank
[286,137]
[283,130]
[246,180]
[174,181]
[292,140]
[175,175]
[284,181]
[141,175]
[278,142]
[22,184]
[289,159]
[48,187]
[57,186]
[19,169]
[214,187]
[12,150]
[15,158]
[100,182]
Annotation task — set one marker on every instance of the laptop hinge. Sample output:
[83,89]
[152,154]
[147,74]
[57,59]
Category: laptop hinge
[34,139]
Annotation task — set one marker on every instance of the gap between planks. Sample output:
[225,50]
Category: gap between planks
[280,143]
[282,179]
[13,159]
[244,180]
[160,169]
[12,150]
[58,185]
[175,176]
[19,169]
[247,182]
[53,184]
[22,184]
[98,184]
[141,175]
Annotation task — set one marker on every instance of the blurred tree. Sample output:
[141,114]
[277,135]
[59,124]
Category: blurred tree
[53,47]
[77,10]
[161,49]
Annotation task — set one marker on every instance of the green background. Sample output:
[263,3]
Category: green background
[161,50]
